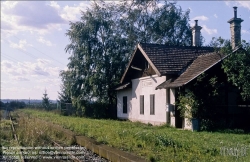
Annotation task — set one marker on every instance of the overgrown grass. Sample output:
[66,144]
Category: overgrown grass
[6,135]
[155,143]
[33,132]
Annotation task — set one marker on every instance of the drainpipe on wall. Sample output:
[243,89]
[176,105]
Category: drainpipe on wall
[168,106]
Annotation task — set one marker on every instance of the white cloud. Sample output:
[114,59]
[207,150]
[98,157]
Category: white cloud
[70,13]
[20,45]
[160,4]
[228,3]
[203,18]
[48,80]
[8,4]
[20,78]
[245,31]
[245,4]
[17,89]
[209,31]
[42,88]
[43,61]
[46,42]
[39,68]
[6,64]
[54,4]
[215,16]
[29,16]
[190,9]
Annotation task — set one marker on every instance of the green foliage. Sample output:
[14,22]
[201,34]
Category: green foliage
[6,135]
[65,95]
[236,65]
[2,105]
[221,45]
[188,104]
[149,22]
[204,100]
[15,104]
[102,41]
[45,101]
[237,68]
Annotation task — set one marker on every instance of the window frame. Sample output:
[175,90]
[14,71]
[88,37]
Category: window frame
[142,104]
[152,104]
[124,105]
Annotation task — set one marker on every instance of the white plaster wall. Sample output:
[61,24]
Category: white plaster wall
[120,95]
[187,124]
[146,86]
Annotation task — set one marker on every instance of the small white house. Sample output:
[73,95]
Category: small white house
[147,89]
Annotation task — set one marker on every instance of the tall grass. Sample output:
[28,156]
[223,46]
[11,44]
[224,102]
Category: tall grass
[33,132]
[155,143]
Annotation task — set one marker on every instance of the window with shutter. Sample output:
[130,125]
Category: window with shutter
[141,104]
[152,104]
[125,107]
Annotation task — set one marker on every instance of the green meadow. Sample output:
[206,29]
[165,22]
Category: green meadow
[154,143]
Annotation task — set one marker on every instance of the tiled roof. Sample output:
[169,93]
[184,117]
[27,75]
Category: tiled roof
[172,59]
[198,66]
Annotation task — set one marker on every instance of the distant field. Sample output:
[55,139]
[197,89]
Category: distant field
[155,143]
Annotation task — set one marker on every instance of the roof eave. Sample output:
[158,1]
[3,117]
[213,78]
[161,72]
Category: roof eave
[236,49]
[124,74]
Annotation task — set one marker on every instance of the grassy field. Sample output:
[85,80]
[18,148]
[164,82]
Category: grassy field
[6,135]
[31,132]
[155,143]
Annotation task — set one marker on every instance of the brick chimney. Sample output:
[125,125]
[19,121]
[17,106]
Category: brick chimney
[235,28]
[196,34]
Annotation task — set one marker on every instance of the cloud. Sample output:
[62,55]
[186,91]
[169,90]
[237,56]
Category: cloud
[43,61]
[227,3]
[12,68]
[190,9]
[245,4]
[35,17]
[20,45]
[35,14]
[20,78]
[46,42]
[48,80]
[70,13]
[17,89]
[202,18]
[209,31]
[41,67]
[7,64]
[42,88]
[245,31]
[215,16]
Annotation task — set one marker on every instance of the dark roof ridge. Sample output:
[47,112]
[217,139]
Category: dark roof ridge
[178,46]
[209,53]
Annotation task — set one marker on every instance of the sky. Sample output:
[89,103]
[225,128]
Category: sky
[33,39]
